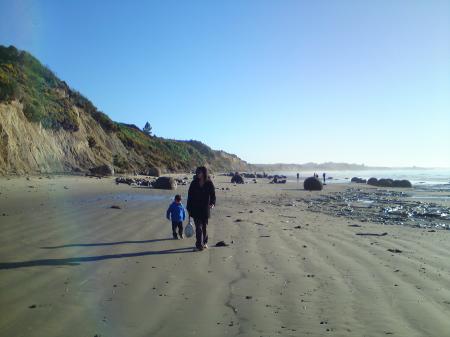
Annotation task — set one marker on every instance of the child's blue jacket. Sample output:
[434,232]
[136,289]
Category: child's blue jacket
[176,212]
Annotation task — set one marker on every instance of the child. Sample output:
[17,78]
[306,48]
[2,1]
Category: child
[177,214]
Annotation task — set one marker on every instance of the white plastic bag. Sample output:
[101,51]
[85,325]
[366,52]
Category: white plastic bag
[189,229]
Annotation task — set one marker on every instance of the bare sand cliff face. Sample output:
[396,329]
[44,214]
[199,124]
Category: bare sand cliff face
[27,147]
[70,265]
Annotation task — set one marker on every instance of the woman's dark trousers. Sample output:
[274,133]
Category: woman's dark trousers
[200,232]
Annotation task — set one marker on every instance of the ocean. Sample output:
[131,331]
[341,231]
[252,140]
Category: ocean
[416,176]
[422,179]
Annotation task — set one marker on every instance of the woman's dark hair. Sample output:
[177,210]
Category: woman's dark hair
[203,170]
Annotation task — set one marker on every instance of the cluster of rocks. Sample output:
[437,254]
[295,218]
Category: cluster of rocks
[278,180]
[381,206]
[248,175]
[276,176]
[312,184]
[134,181]
[383,182]
[182,181]
[391,183]
[108,170]
[239,178]
[165,183]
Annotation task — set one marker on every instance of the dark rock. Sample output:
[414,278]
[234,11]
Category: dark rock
[385,182]
[372,181]
[237,179]
[278,180]
[402,183]
[134,181]
[312,184]
[102,170]
[221,244]
[358,180]
[116,207]
[165,183]
[394,250]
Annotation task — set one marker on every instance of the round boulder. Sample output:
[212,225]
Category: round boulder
[402,183]
[312,184]
[358,180]
[102,170]
[385,182]
[154,172]
[372,181]
[237,179]
[165,183]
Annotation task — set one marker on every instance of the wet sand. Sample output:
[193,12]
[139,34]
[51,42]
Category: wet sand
[72,266]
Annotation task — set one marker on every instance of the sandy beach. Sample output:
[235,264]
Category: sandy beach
[70,265]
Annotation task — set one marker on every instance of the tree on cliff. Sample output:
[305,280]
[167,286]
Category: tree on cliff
[147,129]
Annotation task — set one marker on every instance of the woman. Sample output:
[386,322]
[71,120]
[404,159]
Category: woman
[201,198]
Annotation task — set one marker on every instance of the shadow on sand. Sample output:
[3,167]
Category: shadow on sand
[73,261]
[105,243]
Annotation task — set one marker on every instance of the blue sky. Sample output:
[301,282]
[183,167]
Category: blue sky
[272,81]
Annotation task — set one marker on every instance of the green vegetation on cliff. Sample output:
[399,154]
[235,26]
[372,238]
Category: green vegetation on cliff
[51,102]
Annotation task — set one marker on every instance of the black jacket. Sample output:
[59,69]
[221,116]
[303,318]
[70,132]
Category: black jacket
[200,198]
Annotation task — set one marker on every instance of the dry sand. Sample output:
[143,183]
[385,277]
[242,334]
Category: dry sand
[72,266]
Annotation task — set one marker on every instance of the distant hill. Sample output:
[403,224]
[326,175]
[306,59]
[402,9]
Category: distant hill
[46,126]
[329,166]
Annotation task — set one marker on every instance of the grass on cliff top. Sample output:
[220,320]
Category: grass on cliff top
[173,154]
[51,102]
[46,99]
